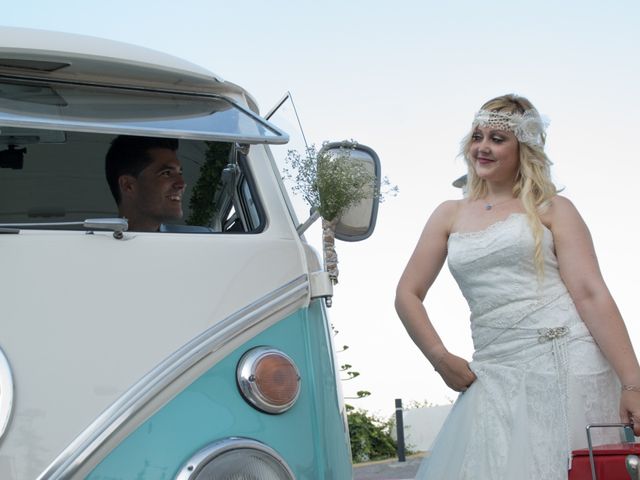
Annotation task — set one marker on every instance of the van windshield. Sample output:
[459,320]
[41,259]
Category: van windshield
[88,108]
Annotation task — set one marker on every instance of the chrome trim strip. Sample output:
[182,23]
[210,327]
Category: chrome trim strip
[6,393]
[133,400]
[195,463]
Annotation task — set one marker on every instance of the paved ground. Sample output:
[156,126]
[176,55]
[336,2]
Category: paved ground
[388,469]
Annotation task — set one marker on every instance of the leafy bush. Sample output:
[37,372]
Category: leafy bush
[370,437]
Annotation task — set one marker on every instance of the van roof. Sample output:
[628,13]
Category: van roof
[86,58]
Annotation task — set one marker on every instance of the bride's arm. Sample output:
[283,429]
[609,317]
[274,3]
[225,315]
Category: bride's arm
[419,274]
[581,274]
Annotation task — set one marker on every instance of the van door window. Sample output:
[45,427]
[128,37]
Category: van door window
[52,178]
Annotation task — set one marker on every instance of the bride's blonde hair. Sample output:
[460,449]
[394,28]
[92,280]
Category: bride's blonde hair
[533,185]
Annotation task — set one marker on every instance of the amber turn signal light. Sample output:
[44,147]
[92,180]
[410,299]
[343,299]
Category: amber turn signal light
[268,379]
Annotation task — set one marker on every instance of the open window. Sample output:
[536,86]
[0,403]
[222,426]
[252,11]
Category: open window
[54,136]
[57,177]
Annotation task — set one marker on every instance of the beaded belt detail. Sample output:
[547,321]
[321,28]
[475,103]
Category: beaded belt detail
[547,334]
[561,360]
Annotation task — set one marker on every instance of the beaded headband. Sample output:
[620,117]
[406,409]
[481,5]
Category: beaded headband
[528,127]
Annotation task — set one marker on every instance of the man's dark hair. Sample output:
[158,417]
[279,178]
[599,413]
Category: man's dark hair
[129,155]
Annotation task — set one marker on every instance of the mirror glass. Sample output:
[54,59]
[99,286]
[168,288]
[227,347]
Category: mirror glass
[358,222]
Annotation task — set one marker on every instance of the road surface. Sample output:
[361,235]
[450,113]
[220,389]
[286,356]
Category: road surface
[388,469]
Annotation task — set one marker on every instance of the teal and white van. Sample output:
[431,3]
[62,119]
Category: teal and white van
[200,352]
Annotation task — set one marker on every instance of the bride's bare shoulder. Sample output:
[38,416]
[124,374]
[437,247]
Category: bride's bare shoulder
[560,211]
[445,214]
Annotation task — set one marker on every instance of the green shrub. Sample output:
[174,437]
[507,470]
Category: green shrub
[370,437]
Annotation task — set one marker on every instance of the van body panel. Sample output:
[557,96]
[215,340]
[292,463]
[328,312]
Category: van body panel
[195,418]
[97,321]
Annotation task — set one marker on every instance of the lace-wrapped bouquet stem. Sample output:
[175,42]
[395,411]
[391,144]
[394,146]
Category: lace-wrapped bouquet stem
[331,183]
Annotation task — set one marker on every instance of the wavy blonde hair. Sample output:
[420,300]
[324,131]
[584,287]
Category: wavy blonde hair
[532,185]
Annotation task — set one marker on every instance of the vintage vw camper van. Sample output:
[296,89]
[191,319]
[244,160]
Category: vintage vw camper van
[199,351]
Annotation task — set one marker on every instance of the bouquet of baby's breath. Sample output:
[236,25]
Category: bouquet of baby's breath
[331,183]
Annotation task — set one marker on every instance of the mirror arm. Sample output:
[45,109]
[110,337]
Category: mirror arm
[315,215]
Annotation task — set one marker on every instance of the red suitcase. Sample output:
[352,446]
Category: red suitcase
[607,462]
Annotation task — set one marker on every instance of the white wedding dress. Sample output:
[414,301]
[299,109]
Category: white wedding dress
[540,376]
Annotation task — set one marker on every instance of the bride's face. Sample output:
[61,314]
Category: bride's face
[495,154]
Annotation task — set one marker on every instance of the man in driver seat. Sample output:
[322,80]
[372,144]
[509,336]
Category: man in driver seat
[145,178]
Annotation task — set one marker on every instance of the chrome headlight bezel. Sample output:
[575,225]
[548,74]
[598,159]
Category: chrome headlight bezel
[202,459]
[6,393]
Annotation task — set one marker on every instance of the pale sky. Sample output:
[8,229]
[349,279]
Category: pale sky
[405,78]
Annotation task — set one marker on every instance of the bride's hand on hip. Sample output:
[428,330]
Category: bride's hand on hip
[630,409]
[455,372]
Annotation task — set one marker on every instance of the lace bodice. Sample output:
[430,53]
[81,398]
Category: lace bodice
[495,268]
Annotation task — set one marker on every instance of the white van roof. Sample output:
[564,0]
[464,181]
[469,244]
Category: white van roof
[71,59]
[87,58]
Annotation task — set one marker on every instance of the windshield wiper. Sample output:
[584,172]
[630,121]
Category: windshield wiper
[117,225]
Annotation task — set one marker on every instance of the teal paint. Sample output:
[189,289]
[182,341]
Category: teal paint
[311,437]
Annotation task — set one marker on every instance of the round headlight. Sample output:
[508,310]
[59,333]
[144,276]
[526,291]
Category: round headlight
[268,379]
[235,459]
[6,393]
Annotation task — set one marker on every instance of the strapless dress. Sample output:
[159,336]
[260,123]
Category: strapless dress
[541,378]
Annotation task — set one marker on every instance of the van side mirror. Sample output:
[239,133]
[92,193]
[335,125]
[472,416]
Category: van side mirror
[358,222]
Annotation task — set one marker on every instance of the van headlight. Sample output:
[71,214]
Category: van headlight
[6,393]
[235,459]
[268,379]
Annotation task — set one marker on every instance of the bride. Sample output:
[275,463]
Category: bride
[551,351]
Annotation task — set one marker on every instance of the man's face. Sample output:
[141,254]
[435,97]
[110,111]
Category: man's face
[155,196]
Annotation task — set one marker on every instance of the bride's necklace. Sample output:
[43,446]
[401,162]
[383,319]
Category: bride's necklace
[490,205]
